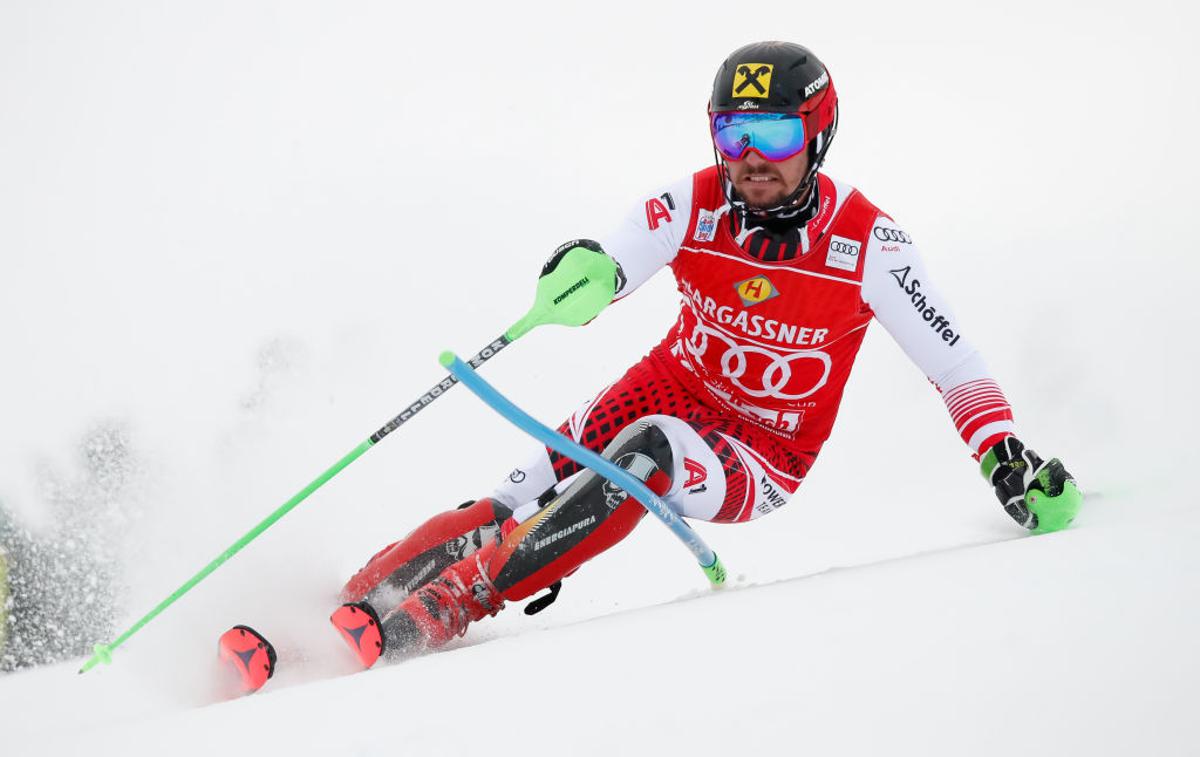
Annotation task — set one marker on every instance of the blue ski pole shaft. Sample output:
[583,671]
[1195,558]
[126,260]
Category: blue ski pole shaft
[635,487]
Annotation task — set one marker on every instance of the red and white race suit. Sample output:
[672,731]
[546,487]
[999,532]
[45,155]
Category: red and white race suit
[748,381]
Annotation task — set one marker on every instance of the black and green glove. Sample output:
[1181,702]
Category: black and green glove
[1041,496]
[581,259]
[578,281]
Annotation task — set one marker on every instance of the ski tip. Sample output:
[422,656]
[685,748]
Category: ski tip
[359,626]
[250,656]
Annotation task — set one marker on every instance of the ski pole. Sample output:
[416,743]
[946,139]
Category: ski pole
[574,287]
[709,562]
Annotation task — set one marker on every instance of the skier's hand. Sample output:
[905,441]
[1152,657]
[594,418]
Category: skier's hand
[577,261]
[1041,496]
[578,281]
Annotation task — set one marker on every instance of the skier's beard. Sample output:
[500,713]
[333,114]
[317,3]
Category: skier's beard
[774,201]
[757,200]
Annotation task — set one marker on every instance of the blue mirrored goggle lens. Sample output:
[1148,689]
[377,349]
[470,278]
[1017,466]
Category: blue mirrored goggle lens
[776,136]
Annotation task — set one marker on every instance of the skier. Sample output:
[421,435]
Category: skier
[781,269]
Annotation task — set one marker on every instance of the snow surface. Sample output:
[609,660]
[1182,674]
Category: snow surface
[241,232]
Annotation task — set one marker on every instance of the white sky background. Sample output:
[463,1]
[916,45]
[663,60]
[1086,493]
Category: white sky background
[351,187]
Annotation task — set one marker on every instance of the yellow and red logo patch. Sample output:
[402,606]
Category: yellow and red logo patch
[755,290]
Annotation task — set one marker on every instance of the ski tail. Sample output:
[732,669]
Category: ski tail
[360,628]
[249,655]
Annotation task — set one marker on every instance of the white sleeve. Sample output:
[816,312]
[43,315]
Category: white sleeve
[650,235]
[897,289]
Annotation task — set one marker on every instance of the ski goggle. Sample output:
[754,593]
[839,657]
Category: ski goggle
[775,136]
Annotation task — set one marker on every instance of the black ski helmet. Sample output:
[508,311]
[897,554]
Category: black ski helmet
[778,77]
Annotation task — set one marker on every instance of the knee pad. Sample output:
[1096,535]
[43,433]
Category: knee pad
[590,516]
[643,449]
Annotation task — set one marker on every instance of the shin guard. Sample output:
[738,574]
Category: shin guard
[588,518]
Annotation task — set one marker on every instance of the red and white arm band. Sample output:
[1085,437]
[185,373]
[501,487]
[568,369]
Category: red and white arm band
[980,413]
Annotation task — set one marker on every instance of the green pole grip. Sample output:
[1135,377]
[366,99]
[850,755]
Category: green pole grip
[577,284]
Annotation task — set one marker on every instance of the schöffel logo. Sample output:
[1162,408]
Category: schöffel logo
[911,286]
[884,234]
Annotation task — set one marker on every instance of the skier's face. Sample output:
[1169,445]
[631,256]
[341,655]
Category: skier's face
[763,184]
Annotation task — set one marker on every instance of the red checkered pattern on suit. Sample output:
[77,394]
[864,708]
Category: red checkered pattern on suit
[648,388]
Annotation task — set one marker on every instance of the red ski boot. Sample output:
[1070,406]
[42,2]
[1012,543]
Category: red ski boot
[428,618]
[444,607]
[401,568]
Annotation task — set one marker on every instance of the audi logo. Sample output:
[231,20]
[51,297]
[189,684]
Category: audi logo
[892,235]
[776,369]
[843,248]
